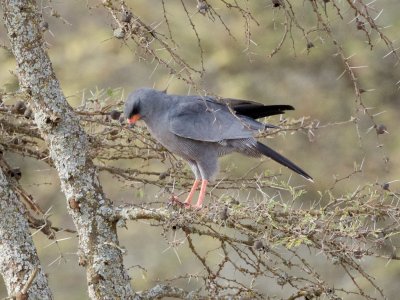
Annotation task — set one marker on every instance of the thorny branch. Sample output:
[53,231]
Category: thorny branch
[163,48]
[264,232]
[266,224]
[20,267]
[112,140]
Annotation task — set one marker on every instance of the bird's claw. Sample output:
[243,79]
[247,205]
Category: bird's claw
[197,207]
[174,201]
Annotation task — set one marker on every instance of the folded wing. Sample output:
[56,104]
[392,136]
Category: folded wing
[205,119]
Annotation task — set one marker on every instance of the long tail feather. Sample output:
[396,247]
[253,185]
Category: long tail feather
[282,160]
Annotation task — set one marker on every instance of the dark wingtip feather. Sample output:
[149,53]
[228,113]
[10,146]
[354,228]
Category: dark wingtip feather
[257,111]
[282,160]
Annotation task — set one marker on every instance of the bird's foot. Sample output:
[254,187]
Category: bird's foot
[197,207]
[187,204]
[174,201]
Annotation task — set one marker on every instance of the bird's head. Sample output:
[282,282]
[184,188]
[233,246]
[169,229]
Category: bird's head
[139,104]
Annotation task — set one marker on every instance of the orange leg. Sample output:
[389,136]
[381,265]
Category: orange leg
[202,194]
[191,193]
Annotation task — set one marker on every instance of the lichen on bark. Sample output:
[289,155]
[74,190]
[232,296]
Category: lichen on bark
[68,147]
[18,257]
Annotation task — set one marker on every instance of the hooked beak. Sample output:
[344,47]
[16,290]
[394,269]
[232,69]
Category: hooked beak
[134,118]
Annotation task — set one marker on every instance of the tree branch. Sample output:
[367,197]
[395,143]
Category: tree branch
[68,147]
[19,263]
[161,291]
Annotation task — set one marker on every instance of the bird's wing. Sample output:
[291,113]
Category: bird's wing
[255,110]
[210,122]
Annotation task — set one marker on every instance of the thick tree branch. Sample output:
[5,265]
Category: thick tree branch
[161,291]
[237,241]
[19,263]
[68,148]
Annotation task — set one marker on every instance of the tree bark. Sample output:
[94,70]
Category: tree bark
[19,263]
[68,146]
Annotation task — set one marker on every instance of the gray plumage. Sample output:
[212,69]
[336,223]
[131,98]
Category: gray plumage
[200,129]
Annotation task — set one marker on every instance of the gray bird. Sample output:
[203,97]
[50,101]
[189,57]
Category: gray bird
[201,129]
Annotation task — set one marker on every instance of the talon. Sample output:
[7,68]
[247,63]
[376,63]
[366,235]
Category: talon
[174,200]
[197,207]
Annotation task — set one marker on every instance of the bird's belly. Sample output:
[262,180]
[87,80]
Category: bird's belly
[186,148]
[171,142]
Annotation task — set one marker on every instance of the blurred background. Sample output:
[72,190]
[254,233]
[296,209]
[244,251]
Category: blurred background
[88,59]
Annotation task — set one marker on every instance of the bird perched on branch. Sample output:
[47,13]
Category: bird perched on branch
[201,129]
